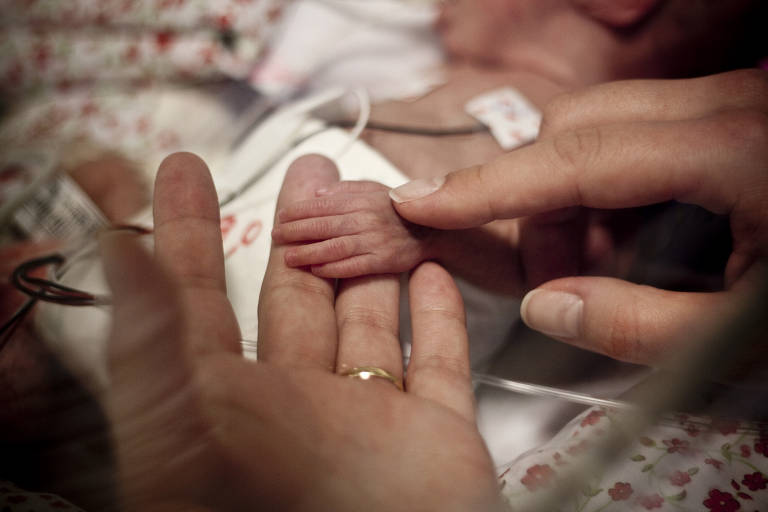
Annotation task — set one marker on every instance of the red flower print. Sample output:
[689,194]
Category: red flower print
[714,462]
[761,446]
[679,478]
[755,481]
[42,56]
[578,448]
[64,85]
[224,22]
[537,476]
[559,459]
[274,13]
[131,54]
[163,40]
[735,485]
[725,426]
[620,491]
[719,501]
[691,429]
[14,74]
[592,418]
[142,125]
[743,495]
[89,109]
[207,55]
[745,451]
[676,445]
[651,502]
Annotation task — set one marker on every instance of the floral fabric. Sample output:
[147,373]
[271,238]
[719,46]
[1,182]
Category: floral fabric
[683,464]
[18,500]
[54,43]
[124,75]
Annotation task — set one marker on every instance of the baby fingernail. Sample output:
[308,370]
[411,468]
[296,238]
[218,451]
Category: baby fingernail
[416,189]
[553,313]
[321,191]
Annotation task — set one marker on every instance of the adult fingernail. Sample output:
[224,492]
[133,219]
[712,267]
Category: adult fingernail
[553,313]
[416,189]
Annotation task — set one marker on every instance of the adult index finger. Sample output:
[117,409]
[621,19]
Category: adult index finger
[188,246]
[707,161]
[297,321]
[656,100]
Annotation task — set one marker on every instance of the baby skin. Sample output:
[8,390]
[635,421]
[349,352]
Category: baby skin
[351,229]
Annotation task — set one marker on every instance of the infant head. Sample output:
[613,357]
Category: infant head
[580,42]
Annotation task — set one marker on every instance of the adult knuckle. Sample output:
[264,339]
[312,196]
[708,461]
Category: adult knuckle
[341,246]
[745,129]
[621,335]
[321,225]
[750,84]
[447,366]
[351,224]
[366,317]
[554,114]
[290,284]
[484,179]
[576,150]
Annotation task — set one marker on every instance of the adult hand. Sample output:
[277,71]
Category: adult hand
[620,145]
[197,426]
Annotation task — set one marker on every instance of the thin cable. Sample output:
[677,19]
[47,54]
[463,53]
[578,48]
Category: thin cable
[546,391]
[363,117]
[9,327]
[418,130]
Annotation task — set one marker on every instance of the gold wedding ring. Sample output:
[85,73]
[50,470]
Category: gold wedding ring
[368,372]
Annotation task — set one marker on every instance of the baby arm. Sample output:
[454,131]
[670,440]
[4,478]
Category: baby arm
[351,229]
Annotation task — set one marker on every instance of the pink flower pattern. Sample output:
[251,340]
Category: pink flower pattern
[538,476]
[665,469]
[679,478]
[651,502]
[620,491]
[175,39]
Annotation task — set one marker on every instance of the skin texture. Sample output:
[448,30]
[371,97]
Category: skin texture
[361,232]
[197,427]
[584,42]
[351,229]
[627,144]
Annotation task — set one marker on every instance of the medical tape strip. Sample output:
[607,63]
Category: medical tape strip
[59,209]
[512,119]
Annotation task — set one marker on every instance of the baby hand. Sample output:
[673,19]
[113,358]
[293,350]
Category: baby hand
[349,230]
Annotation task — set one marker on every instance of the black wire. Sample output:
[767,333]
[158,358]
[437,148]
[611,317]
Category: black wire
[20,279]
[9,327]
